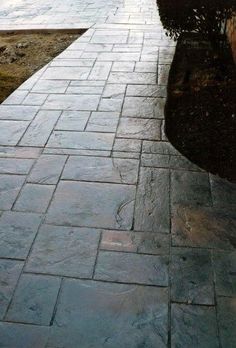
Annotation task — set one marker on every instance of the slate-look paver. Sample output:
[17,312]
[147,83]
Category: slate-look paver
[109,237]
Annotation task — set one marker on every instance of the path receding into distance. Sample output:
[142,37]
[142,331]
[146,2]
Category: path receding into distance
[108,236]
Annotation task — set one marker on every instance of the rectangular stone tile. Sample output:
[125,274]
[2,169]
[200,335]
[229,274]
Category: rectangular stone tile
[114,91]
[145,90]
[190,188]
[127,48]
[17,112]
[93,47]
[72,62]
[167,161]
[101,169]
[66,73]
[193,326]
[225,273]
[132,268]
[119,56]
[137,242]
[50,86]
[163,74]
[110,104]
[107,307]
[10,186]
[17,232]
[103,121]
[70,54]
[84,90]
[34,300]
[203,227]
[146,67]
[100,71]
[35,99]
[192,276]
[65,251]
[108,39]
[20,335]
[159,147]
[143,107]
[127,145]
[123,66]
[72,102]
[19,152]
[137,128]
[152,211]
[47,169]
[72,120]
[132,77]
[226,311]
[99,205]
[34,198]
[223,192]
[40,129]
[81,140]
[120,154]
[88,83]
[12,131]
[10,271]
[15,165]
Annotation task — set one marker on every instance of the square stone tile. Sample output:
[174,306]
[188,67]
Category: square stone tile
[137,242]
[114,91]
[100,71]
[203,227]
[101,169]
[227,321]
[81,140]
[132,268]
[19,335]
[47,169]
[15,165]
[66,251]
[72,120]
[192,276]
[34,299]
[16,97]
[17,232]
[35,99]
[34,198]
[152,211]
[10,271]
[137,128]
[12,131]
[10,186]
[93,205]
[118,315]
[225,273]
[111,104]
[190,188]
[40,129]
[193,326]
[103,122]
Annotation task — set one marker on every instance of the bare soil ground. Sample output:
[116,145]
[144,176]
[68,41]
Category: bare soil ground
[22,54]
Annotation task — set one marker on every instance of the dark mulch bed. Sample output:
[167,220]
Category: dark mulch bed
[201,105]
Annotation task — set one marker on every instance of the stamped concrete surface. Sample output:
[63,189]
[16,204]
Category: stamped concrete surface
[108,236]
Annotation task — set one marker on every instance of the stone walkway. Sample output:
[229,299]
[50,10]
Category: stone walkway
[108,236]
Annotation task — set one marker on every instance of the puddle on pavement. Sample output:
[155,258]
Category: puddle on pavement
[22,53]
[200,112]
